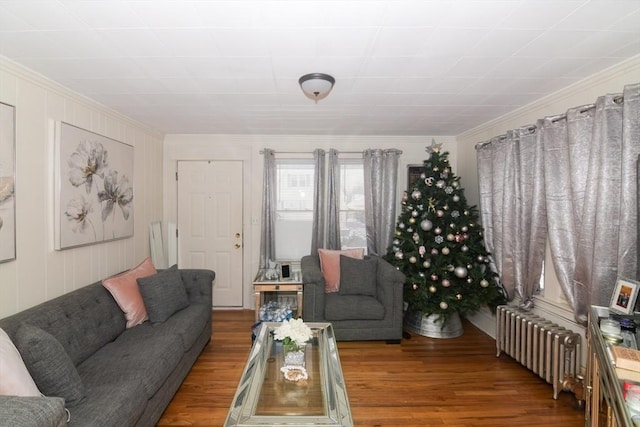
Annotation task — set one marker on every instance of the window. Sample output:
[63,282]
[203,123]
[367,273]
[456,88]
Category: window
[294,208]
[353,232]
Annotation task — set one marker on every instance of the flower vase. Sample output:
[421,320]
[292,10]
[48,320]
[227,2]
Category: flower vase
[294,355]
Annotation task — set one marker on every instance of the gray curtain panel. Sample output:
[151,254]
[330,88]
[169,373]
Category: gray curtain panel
[588,168]
[333,213]
[607,248]
[319,201]
[267,234]
[380,183]
[513,210]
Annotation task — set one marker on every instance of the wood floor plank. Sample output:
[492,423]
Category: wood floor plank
[422,382]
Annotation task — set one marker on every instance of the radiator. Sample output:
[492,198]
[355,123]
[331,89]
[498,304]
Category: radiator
[548,350]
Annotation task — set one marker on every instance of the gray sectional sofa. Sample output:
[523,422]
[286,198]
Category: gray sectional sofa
[127,377]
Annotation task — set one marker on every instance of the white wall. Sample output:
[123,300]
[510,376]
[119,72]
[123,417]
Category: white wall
[247,149]
[40,273]
[587,91]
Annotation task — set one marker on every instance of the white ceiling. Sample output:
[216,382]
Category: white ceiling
[435,67]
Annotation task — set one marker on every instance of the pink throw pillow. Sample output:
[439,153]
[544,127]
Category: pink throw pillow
[330,265]
[16,380]
[124,289]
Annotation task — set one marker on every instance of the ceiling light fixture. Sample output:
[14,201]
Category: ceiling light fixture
[316,85]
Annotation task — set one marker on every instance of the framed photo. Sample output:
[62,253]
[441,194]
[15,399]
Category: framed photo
[625,295]
[93,188]
[7,182]
[413,173]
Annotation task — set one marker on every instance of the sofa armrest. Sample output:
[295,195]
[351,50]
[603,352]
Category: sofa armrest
[387,273]
[390,286]
[199,285]
[33,411]
[313,282]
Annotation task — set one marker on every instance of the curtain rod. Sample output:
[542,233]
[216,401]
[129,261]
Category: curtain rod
[311,152]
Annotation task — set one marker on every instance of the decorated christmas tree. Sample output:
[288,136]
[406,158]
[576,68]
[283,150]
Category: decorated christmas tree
[438,245]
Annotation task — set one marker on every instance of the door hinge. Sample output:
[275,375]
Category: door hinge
[176,233]
[176,176]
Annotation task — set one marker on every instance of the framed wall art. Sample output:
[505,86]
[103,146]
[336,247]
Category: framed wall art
[7,183]
[625,295]
[413,173]
[94,188]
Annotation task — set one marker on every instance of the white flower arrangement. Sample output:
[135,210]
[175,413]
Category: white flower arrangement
[293,331]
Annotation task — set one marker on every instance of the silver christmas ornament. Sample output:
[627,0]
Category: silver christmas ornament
[426,225]
[460,272]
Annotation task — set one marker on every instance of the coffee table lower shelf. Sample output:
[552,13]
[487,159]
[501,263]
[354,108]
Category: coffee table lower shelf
[265,398]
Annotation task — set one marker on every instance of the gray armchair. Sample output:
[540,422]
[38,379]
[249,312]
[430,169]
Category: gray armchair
[356,317]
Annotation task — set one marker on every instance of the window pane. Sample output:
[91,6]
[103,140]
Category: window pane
[352,223]
[294,208]
[295,186]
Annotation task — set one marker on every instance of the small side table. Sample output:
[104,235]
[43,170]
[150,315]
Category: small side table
[262,285]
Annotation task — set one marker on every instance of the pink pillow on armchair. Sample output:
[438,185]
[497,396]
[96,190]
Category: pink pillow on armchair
[330,265]
[126,292]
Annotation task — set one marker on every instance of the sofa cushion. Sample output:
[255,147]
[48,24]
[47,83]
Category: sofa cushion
[352,307]
[32,411]
[186,324]
[143,354]
[111,405]
[51,367]
[163,294]
[16,380]
[330,265]
[125,291]
[358,276]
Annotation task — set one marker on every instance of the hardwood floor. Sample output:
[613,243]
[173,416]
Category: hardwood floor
[421,382]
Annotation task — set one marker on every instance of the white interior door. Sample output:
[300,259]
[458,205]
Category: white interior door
[210,224]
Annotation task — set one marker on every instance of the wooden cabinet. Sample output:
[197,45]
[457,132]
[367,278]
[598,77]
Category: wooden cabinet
[605,405]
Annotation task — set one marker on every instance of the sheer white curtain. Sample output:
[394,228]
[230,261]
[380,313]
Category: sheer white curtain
[267,233]
[591,195]
[380,183]
[319,201]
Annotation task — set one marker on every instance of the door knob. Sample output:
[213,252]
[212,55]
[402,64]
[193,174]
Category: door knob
[238,235]
[238,245]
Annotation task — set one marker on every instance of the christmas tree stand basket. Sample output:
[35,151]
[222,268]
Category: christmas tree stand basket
[431,326]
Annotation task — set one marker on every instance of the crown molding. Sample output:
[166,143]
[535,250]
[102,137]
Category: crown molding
[614,75]
[23,73]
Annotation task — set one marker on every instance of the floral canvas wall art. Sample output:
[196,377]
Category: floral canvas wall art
[94,181]
[7,183]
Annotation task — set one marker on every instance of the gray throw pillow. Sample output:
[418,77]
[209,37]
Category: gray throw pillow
[358,276]
[163,294]
[49,364]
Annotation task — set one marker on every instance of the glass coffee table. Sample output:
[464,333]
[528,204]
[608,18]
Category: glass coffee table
[265,398]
